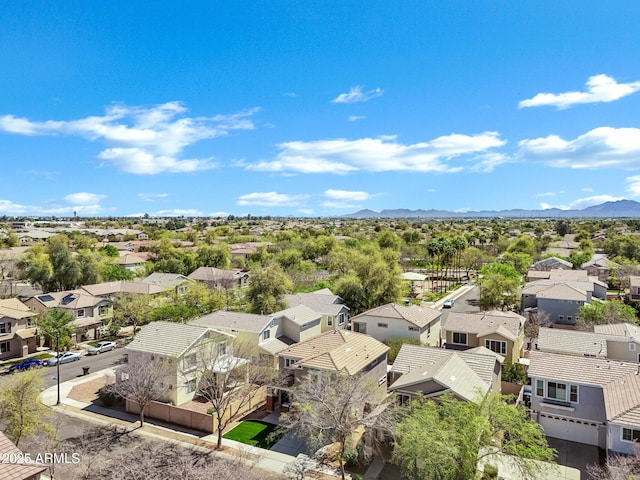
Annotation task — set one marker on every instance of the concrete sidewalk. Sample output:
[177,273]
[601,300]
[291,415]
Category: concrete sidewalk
[272,461]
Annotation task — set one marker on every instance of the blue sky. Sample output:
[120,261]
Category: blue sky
[316,108]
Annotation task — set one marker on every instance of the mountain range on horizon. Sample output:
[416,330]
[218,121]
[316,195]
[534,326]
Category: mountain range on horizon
[616,209]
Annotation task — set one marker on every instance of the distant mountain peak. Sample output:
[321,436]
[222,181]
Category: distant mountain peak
[613,209]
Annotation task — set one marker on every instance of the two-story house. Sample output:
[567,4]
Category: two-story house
[432,372]
[89,312]
[335,314]
[395,321]
[271,333]
[501,332]
[178,345]
[17,329]
[169,281]
[586,400]
[561,294]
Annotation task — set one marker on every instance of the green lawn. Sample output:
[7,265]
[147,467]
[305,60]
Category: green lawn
[253,432]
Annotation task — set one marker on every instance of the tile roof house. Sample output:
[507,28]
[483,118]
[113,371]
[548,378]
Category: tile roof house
[131,262]
[634,288]
[335,314]
[561,295]
[89,312]
[615,342]
[500,332]
[109,289]
[176,343]
[272,333]
[18,470]
[173,281]
[435,371]
[394,321]
[337,351]
[587,400]
[17,329]
[218,278]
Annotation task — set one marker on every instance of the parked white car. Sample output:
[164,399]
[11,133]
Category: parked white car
[65,357]
[101,347]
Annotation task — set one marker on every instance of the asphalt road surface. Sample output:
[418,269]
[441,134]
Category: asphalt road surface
[467,303]
[69,371]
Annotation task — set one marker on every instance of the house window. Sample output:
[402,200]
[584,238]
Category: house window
[5,347]
[330,321]
[496,346]
[630,435]
[80,312]
[266,335]
[459,338]
[560,317]
[3,328]
[288,362]
[539,388]
[341,319]
[383,325]
[569,318]
[632,347]
[360,327]
[103,310]
[190,361]
[222,348]
[414,329]
[404,399]
[191,385]
[562,392]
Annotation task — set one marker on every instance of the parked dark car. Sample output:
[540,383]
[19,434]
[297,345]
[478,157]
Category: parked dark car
[25,365]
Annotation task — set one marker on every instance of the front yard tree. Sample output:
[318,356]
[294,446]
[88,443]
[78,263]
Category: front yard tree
[499,285]
[57,327]
[229,376]
[266,289]
[20,408]
[599,313]
[131,309]
[142,382]
[447,440]
[329,407]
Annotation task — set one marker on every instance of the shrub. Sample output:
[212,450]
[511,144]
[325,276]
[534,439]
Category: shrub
[106,396]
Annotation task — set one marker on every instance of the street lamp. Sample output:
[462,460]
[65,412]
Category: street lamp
[58,363]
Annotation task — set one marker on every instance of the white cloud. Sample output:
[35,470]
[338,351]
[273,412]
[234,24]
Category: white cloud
[64,207]
[149,197]
[488,162]
[356,95]
[633,186]
[177,212]
[355,118]
[347,195]
[84,198]
[337,204]
[305,211]
[270,199]
[600,88]
[143,140]
[587,189]
[431,190]
[581,203]
[343,156]
[546,194]
[603,147]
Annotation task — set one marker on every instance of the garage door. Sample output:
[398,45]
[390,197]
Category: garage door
[569,429]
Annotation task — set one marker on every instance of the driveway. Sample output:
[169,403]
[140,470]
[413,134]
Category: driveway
[576,455]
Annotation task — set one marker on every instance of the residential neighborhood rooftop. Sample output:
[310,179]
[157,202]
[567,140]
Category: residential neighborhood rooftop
[418,316]
[246,322]
[557,340]
[508,324]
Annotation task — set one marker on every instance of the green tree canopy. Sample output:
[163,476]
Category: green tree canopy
[54,323]
[499,285]
[599,313]
[20,407]
[446,440]
[268,285]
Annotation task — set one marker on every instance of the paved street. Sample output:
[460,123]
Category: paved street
[467,303]
[69,371]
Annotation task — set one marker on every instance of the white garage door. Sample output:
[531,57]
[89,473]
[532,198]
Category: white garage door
[569,429]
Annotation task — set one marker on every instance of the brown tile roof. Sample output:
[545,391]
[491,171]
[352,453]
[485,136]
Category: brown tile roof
[337,350]
[14,308]
[622,399]
[118,286]
[506,324]
[16,471]
[418,316]
[619,329]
